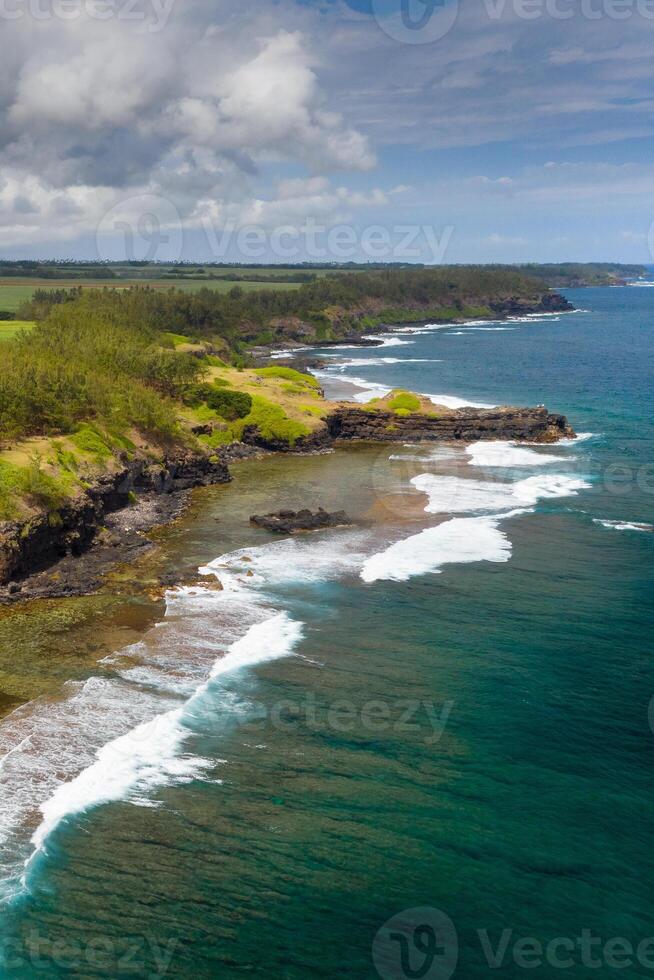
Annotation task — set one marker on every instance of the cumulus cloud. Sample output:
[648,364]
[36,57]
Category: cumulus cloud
[269,113]
[95,111]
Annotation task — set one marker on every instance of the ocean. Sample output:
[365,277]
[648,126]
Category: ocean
[420,746]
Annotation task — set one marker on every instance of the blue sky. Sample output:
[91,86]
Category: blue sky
[485,131]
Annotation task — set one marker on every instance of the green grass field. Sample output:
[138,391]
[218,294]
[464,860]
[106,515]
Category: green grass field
[9,328]
[14,292]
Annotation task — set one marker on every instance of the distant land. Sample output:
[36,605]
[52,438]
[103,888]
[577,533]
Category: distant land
[19,280]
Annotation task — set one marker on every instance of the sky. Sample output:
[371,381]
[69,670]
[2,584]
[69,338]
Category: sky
[368,130]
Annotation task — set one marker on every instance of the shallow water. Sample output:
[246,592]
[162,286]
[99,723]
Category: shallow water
[422,712]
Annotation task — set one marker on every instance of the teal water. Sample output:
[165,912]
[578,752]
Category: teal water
[466,748]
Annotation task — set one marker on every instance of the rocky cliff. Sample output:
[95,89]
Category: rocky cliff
[464,424]
[27,546]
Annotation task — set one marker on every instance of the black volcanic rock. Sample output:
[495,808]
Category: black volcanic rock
[447,425]
[290,521]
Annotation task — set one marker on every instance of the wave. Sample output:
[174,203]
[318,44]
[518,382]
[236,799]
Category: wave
[623,525]
[454,401]
[388,341]
[152,754]
[290,560]
[380,361]
[502,453]
[580,437]
[459,541]
[453,494]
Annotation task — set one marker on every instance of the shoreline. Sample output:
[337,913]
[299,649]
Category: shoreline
[109,527]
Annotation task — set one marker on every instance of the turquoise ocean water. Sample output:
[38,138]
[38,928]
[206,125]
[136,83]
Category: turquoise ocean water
[420,747]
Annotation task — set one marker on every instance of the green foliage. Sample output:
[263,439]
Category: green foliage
[174,340]
[289,374]
[272,422]
[31,483]
[404,402]
[88,361]
[88,440]
[231,405]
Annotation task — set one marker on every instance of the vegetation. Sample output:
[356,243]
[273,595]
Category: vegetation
[572,274]
[111,371]
[404,401]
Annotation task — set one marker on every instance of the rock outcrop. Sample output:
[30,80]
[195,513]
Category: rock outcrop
[27,546]
[290,521]
[463,424]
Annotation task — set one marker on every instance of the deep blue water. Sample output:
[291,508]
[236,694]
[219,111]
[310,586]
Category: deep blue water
[464,756]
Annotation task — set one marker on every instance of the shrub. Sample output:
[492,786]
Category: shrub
[272,422]
[405,402]
[231,405]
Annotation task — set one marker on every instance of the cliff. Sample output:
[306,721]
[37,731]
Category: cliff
[464,424]
[30,545]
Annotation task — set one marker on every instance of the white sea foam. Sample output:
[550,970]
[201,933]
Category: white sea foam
[389,341]
[580,437]
[454,401]
[380,361]
[458,541]
[152,754]
[502,453]
[291,560]
[624,525]
[456,495]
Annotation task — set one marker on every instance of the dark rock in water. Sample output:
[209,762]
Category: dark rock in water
[289,521]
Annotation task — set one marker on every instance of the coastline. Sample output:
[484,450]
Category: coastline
[112,524]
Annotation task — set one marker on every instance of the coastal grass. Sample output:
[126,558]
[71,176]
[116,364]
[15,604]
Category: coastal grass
[289,374]
[9,328]
[403,402]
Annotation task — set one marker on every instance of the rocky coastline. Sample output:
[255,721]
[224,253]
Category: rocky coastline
[108,524]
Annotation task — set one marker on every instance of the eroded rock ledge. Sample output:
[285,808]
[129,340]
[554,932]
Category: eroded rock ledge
[26,547]
[40,556]
[463,424]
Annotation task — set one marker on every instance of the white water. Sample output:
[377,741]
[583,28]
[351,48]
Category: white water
[457,541]
[152,754]
[623,525]
[501,453]
[452,494]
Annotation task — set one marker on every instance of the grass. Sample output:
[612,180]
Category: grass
[9,328]
[15,292]
[289,374]
[404,402]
